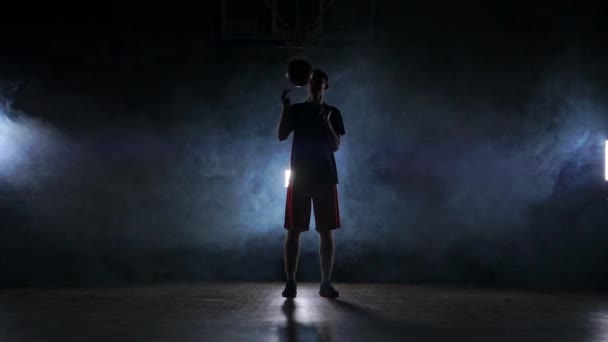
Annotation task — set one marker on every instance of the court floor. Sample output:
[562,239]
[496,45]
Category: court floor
[255,311]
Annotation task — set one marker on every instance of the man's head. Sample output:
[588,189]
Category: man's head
[319,82]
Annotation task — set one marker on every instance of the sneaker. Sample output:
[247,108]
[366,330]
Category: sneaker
[328,291]
[290,290]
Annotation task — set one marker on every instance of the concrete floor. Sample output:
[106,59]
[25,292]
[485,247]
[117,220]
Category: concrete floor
[257,312]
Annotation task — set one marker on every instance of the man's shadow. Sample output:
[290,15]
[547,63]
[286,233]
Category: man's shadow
[373,326]
[370,323]
[297,332]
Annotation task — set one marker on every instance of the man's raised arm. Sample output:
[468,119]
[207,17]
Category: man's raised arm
[283,128]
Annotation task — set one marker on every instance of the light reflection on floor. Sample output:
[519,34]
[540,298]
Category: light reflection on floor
[303,322]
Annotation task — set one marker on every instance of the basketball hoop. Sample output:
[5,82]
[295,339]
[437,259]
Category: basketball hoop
[296,36]
[297,40]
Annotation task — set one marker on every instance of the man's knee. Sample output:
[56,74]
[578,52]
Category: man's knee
[293,235]
[325,234]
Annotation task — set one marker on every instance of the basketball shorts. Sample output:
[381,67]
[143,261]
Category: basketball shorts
[324,198]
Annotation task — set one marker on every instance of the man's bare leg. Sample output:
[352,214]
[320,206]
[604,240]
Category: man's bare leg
[326,254]
[292,251]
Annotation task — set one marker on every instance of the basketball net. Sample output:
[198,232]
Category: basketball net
[297,38]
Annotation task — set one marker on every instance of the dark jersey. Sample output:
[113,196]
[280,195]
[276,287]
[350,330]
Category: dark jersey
[312,158]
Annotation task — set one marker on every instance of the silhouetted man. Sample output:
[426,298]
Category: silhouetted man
[317,128]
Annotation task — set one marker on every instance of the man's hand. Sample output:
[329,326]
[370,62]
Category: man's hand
[285,98]
[334,138]
[327,119]
[325,115]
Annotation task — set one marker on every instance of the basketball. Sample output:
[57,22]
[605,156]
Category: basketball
[298,72]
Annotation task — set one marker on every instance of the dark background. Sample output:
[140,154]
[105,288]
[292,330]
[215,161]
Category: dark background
[135,146]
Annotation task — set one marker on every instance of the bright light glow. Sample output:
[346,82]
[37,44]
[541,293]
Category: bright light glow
[606,160]
[287,176]
[25,146]
[11,135]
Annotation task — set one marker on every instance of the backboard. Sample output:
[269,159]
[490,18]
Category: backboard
[297,23]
